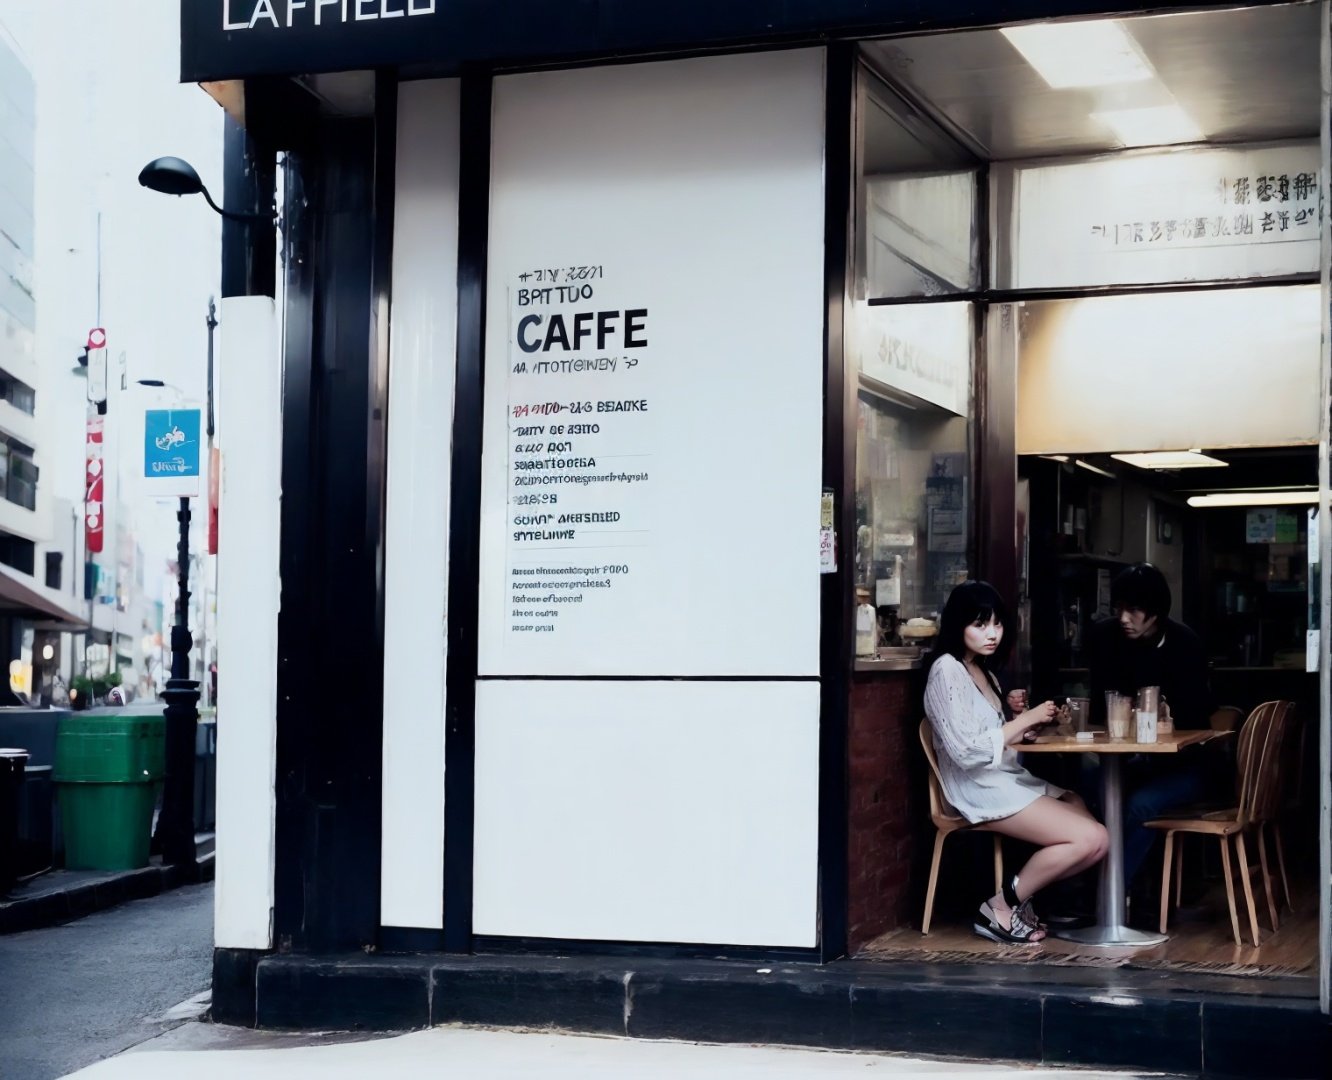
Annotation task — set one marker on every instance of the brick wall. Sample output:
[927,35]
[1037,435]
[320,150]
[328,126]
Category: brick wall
[888,807]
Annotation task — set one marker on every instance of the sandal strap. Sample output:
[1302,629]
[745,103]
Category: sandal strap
[1024,923]
[1028,913]
[1020,931]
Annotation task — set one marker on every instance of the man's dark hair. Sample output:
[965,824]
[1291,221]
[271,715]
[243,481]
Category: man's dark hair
[1142,587]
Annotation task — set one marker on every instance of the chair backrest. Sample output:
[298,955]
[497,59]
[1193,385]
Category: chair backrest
[941,813]
[1258,759]
[1273,772]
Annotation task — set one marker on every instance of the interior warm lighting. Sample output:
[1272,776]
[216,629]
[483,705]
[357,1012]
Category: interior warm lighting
[1080,54]
[1255,498]
[1093,469]
[1171,459]
[1159,125]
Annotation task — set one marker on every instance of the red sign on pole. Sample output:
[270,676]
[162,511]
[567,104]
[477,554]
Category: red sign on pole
[214,491]
[94,520]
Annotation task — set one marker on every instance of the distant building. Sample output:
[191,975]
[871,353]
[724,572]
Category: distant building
[37,595]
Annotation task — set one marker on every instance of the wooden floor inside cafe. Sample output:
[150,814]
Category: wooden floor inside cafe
[1200,942]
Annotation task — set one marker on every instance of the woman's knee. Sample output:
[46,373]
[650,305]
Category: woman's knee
[1097,841]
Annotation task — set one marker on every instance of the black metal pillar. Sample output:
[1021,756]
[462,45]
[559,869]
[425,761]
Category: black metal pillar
[249,247]
[175,824]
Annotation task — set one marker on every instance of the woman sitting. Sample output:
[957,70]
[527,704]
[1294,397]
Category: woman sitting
[979,767]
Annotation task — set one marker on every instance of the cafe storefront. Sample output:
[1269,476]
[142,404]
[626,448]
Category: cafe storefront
[646,380]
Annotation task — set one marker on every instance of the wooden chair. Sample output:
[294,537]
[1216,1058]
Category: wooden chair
[1269,801]
[946,822]
[1227,718]
[1293,760]
[1256,775]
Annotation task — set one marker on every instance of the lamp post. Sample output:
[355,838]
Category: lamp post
[175,824]
[174,176]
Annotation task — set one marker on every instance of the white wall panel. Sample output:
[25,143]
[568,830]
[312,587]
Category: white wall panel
[648,811]
[248,595]
[692,192]
[421,375]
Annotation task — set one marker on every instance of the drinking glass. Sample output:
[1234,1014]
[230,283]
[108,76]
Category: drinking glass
[1079,712]
[1118,715]
[1149,704]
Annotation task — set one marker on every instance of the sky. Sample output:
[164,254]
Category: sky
[109,101]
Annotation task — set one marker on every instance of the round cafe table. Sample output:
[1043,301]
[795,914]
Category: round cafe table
[1110,928]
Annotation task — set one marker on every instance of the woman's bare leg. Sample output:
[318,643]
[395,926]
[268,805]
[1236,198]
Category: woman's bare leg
[1069,840]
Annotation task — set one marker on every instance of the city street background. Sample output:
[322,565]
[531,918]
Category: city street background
[73,994]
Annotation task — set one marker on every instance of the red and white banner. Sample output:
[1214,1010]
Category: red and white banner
[214,491]
[94,520]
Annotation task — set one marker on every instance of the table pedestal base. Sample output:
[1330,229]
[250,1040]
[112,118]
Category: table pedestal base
[1112,935]
[1111,911]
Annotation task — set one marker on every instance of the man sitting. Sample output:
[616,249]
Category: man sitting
[1142,646]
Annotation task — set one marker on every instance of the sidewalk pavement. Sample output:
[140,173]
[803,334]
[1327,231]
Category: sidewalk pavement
[212,1052]
[59,896]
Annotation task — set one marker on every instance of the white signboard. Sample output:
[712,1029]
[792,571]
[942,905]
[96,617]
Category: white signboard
[924,350]
[653,414]
[1184,215]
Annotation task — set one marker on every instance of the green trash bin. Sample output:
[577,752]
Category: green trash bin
[108,763]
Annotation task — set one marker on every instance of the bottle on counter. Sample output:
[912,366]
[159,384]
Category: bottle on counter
[867,626]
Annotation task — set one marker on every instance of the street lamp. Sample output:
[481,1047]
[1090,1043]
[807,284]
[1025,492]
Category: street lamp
[175,824]
[176,176]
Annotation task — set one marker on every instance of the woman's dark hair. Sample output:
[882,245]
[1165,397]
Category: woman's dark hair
[1142,587]
[970,604]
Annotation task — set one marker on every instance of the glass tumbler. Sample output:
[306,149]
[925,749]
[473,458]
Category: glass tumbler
[1118,715]
[1149,705]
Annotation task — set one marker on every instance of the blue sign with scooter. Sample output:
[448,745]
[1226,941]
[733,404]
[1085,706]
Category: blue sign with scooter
[171,451]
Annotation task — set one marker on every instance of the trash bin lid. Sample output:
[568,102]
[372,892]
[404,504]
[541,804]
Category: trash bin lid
[134,708]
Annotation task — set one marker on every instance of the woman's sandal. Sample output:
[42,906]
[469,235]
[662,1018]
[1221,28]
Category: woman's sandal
[1023,924]
[987,925]
[1029,915]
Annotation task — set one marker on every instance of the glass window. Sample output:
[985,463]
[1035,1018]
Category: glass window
[911,511]
[17,393]
[21,486]
[915,201]
[916,243]
[912,462]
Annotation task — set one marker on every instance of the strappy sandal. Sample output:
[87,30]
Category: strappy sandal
[1021,932]
[1029,916]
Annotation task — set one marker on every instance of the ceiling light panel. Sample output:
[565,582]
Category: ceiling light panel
[1255,498]
[1171,459]
[1081,54]
[1159,125]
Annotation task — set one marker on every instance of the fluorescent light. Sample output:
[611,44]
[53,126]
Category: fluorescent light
[1094,469]
[1158,125]
[1171,459]
[1080,54]
[1061,458]
[1255,498]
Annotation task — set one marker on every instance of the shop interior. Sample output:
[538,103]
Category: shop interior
[1086,266]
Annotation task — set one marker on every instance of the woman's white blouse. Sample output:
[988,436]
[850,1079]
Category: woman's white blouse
[981,775]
